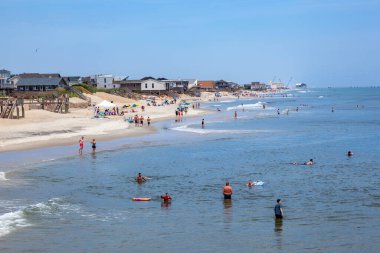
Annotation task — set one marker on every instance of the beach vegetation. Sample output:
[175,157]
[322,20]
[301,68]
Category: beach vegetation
[61,91]
[85,88]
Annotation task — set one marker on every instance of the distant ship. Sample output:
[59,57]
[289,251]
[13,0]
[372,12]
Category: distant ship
[301,85]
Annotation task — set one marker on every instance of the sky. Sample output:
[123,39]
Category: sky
[321,43]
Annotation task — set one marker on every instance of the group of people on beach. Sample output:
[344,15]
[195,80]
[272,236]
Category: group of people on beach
[139,121]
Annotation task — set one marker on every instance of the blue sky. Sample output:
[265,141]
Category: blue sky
[321,43]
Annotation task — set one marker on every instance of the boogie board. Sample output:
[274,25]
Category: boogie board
[141,199]
[258,183]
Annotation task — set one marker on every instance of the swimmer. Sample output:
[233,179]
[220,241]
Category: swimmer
[227,191]
[203,123]
[310,162]
[166,197]
[250,184]
[140,179]
[349,153]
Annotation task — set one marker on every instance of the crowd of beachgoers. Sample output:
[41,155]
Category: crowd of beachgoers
[108,116]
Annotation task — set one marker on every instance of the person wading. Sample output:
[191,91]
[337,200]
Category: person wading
[227,191]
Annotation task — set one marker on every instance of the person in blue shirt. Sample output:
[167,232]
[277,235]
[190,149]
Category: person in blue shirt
[278,211]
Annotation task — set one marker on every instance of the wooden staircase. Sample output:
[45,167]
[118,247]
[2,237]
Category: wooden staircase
[9,106]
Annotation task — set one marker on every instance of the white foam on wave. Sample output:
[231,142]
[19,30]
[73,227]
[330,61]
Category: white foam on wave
[11,221]
[258,183]
[2,176]
[52,206]
[320,97]
[217,105]
[48,160]
[186,128]
[258,105]
[227,101]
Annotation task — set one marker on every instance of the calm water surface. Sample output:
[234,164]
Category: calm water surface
[82,204]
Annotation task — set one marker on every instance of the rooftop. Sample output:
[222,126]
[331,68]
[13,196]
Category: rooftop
[39,81]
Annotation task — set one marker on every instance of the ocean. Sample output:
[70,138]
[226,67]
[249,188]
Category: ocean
[54,200]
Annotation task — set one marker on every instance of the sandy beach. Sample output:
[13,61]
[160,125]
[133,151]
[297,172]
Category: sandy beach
[41,128]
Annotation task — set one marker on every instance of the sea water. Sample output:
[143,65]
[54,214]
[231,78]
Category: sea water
[53,200]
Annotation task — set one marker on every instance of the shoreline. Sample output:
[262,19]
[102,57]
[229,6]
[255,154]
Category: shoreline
[44,129]
[54,139]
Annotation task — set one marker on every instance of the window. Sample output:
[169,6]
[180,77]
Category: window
[152,85]
[146,86]
[105,80]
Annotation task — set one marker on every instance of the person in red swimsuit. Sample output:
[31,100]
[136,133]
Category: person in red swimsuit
[166,197]
[81,144]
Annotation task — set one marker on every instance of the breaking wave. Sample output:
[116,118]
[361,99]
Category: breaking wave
[258,105]
[12,221]
[2,176]
[186,128]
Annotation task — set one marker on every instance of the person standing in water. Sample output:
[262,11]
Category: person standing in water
[166,197]
[227,191]
[203,123]
[332,109]
[140,179]
[148,120]
[278,211]
[235,115]
[81,145]
[278,111]
[93,143]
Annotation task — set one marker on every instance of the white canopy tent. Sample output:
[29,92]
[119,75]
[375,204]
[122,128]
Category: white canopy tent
[106,105]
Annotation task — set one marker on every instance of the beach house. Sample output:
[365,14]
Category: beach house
[147,84]
[178,85]
[256,86]
[105,82]
[5,82]
[73,80]
[206,85]
[225,85]
[40,83]
[191,83]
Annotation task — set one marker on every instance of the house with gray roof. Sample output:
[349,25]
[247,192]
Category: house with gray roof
[40,83]
[4,79]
